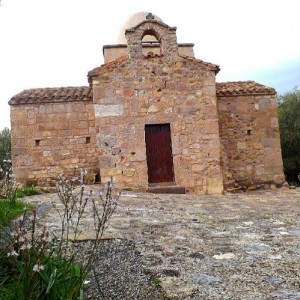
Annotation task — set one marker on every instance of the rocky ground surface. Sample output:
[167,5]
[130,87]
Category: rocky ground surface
[233,246]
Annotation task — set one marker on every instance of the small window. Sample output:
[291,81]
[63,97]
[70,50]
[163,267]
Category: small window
[37,143]
[249,132]
[87,139]
[97,178]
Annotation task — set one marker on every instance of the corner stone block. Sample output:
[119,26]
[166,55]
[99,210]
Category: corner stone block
[215,185]
[108,110]
[110,172]
[279,179]
[129,172]
[30,114]
[274,123]
[47,153]
[241,145]
[58,108]
[198,168]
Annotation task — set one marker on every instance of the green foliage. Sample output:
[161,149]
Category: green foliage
[157,281]
[10,210]
[8,187]
[11,291]
[61,279]
[289,123]
[28,190]
[31,269]
[5,147]
[37,265]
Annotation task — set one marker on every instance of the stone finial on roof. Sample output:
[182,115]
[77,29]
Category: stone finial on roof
[150,16]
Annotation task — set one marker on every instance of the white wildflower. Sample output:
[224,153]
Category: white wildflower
[37,267]
[12,253]
[21,239]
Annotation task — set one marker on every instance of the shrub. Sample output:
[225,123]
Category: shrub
[8,187]
[289,124]
[9,210]
[5,148]
[36,264]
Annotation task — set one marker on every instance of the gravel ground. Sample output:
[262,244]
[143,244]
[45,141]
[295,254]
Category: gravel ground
[120,273]
[228,247]
[118,267]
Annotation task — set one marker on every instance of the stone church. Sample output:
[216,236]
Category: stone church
[152,117]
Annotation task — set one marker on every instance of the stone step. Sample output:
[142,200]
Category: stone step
[172,189]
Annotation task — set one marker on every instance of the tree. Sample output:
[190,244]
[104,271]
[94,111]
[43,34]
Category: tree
[5,148]
[289,124]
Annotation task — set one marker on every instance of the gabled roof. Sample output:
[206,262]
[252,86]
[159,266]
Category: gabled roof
[60,94]
[236,88]
[212,67]
[109,65]
[84,93]
[122,59]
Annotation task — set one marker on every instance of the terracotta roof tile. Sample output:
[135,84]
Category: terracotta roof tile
[236,88]
[214,67]
[84,93]
[44,95]
[122,59]
[109,65]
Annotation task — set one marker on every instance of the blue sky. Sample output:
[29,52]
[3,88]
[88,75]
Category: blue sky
[283,77]
[55,43]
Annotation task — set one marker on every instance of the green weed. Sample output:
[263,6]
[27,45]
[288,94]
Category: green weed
[157,281]
[10,210]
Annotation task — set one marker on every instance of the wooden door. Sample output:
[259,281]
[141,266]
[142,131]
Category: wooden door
[159,153]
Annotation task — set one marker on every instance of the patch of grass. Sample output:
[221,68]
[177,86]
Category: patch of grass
[9,210]
[53,277]
[28,190]
[61,279]
[34,264]
[11,291]
[157,281]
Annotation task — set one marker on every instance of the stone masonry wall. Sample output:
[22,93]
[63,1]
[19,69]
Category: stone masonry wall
[132,92]
[113,52]
[52,138]
[165,35]
[129,94]
[251,153]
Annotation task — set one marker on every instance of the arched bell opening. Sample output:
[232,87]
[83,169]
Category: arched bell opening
[151,43]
